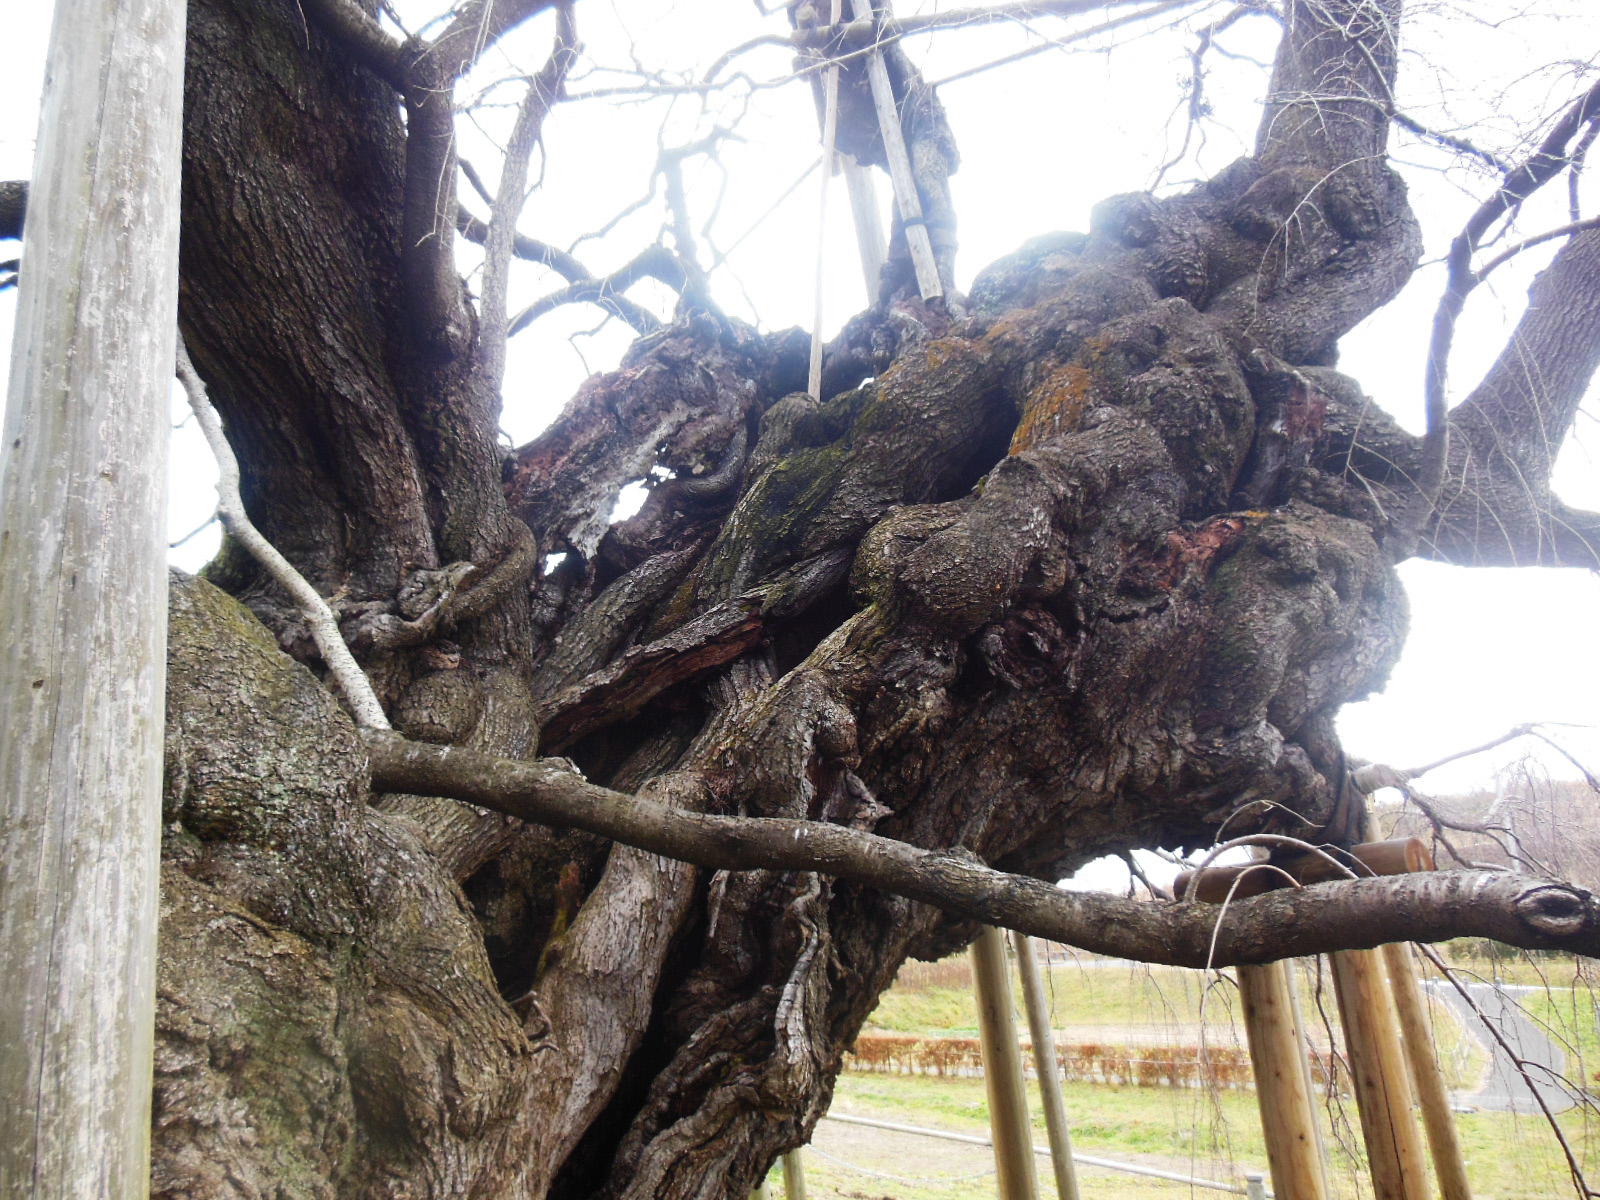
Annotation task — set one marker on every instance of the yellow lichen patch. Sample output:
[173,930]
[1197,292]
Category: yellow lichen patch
[1053,407]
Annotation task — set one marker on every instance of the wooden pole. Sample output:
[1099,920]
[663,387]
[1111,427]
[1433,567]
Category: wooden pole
[1297,1011]
[794,1176]
[1002,1068]
[1449,1167]
[870,242]
[84,593]
[1382,1083]
[1047,1069]
[909,204]
[1277,1056]
[830,133]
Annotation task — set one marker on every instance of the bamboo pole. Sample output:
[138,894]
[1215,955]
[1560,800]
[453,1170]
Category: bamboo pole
[918,242]
[794,1176]
[1449,1166]
[1382,1082]
[84,598]
[1047,1069]
[1002,1068]
[1277,1056]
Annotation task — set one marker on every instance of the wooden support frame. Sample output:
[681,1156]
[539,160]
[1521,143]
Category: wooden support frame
[901,175]
[1002,1068]
[1449,1165]
[1381,1076]
[1046,1069]
[1278,1057]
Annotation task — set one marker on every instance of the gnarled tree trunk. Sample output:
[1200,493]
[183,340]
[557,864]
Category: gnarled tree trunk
[1087,565]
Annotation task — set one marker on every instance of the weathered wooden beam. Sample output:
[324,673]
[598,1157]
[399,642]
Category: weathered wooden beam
[84,593]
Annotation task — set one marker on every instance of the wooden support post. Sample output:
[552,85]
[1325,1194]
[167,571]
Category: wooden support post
[84,593]
[1382,1081]
[830,133]
[870,242]
[1002,1068]
[900,174]
[1047,1069]
[1277,1056]
[794,1176]
[1449,1167]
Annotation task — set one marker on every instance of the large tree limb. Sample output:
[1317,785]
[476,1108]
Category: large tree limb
[1337,916]
[1521,412]
[438,306]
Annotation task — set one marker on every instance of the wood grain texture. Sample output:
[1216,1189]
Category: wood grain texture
[83,666]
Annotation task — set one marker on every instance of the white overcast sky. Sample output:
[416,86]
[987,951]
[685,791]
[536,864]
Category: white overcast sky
[1041,142]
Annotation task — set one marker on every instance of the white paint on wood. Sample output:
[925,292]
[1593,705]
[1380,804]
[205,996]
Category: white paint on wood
[83,590]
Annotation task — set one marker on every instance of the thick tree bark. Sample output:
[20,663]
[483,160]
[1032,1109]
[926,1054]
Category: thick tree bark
[1091,566]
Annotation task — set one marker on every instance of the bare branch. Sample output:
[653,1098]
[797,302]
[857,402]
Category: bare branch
[347,675]
[655,262]
[586,289]
[1426,906]
[367,41]
[13,207]
[543,91]
[1519,183]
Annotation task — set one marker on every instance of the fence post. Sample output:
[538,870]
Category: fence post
[1448,1165]
[1002,1068]
[1277,1058]
[1047,1069]
[1382,1081]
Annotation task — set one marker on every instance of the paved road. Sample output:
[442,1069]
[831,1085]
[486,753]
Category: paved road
[1508,1089]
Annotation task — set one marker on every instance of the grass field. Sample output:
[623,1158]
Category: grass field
[1210,1134]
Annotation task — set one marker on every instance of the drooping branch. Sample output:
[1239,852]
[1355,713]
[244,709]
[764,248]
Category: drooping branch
[1351,915]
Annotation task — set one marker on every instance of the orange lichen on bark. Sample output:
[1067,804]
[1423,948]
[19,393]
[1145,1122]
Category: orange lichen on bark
[1055,406]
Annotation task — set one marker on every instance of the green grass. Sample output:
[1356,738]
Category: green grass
[1215,1134]
[938,998]
[1509,1158]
